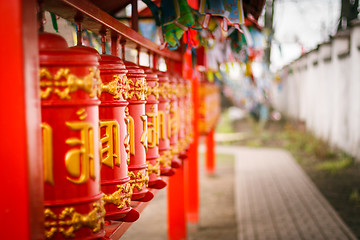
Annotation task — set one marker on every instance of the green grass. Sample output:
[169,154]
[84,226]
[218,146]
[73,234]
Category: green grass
[300,141]
[355,196]
[335,166]
[256,143]
[220,158]
[307,149]
[224,125]
[224,158]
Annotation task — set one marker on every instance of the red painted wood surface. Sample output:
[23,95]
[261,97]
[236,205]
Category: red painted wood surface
[164,123]
[70,141]
[114,167]
[137,131]
[21,168]
[192,181]
[174,122]
[151,110]
[176,186]
[210,153]
[176,206]
[33,150]
[191,164]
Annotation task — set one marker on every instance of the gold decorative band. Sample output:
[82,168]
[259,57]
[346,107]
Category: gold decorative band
[139,180]
[63,83]
[189,138]
[165,90]
[175,150]
[153,91]
[181,90]
[188,88]
[208,89]
[174,91]
[183,144]
[138,88]
[154,168]
[121,197]
[165,159]
[69,221]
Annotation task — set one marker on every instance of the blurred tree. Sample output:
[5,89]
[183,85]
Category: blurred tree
[269,16]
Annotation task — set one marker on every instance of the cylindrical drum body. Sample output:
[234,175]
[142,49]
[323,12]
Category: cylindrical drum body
[209,109]
[113,131]
[70,82]
[137,132]
[189,117]
[182,117]
[174,122]
[151,111]
[164,124]
[203,104]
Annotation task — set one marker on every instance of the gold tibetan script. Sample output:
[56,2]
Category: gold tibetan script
[164,125]
[168,122]
[144,135]
[110,150]
[130,138]
[152,130]
[47,153]
[174,122]
[79,161]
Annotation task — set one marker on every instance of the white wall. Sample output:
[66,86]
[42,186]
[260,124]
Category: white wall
[322,88]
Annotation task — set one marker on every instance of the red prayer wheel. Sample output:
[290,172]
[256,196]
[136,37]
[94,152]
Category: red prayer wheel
[189,117]
[164,124]
[174,122]
[151,110]
[203,105]
[182,117]
[70,82]
[113,131]
[209,109]
[137,132]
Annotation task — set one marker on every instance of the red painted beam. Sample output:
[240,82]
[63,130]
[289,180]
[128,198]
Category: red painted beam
[96,20]
[21,181]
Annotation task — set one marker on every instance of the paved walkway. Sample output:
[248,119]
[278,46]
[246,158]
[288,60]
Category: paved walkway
[275,199]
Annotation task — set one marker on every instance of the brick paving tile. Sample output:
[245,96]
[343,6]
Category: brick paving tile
[276,200]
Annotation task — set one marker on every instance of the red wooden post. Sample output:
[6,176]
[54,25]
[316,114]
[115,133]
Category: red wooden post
[176,206]
[21,178]
[176,196]
[155,61]
[192,181]
[210,153]
[115,40]
[134,15]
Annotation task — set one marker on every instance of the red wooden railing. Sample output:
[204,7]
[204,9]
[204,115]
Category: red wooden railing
[21,172]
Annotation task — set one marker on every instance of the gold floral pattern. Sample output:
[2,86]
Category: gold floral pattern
[64,82]
[69,221]
[139,180]
[121,197]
